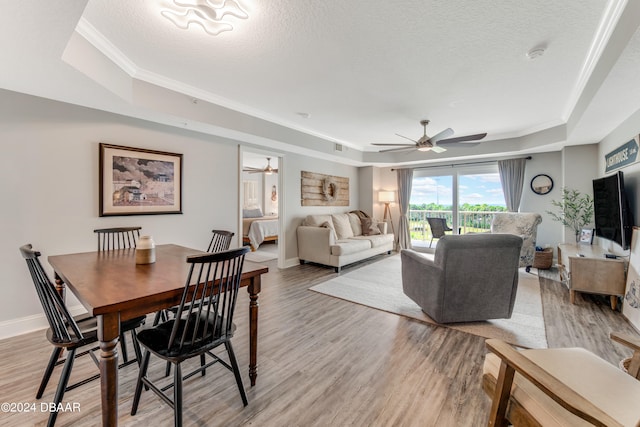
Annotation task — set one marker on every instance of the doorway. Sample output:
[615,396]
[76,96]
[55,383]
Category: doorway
[260,204]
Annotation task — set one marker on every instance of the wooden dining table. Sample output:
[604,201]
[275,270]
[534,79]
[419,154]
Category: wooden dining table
[113,288]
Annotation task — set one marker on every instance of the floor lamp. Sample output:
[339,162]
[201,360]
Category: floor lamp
[387,197]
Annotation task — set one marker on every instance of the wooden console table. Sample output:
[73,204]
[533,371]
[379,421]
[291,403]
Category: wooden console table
[586,269]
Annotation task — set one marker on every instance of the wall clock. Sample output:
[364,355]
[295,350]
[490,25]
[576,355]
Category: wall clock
[542,184]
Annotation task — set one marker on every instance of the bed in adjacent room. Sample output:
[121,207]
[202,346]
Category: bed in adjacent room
[257,229]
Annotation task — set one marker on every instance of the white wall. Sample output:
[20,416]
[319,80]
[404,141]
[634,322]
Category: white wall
[270,205]
[549,232]
[49,188]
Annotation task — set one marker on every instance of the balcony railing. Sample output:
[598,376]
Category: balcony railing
[468,222]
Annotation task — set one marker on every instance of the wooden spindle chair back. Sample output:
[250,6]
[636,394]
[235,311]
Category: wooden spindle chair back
[220,241]
[64,328]
[117,238]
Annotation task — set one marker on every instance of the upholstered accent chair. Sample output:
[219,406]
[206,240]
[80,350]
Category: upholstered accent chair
[561,386]
[523,224]
[472,277]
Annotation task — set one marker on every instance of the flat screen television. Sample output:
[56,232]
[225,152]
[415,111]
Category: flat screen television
[612,215]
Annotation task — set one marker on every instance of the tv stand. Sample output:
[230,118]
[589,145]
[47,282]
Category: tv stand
[587,269]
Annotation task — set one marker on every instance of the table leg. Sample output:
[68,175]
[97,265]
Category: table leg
[253,289]
[60,287]
[108,332]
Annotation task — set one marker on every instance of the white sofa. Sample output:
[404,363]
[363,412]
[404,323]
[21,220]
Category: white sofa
[337,240]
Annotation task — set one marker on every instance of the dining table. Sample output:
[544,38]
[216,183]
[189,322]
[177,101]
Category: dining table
[113,288]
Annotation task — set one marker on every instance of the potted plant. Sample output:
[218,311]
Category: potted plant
[575,210]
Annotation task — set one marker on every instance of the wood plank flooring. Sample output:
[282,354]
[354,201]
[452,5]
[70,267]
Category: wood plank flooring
[322,362]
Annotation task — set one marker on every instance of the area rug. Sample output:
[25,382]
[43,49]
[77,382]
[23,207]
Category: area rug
[264,253]
[379,285]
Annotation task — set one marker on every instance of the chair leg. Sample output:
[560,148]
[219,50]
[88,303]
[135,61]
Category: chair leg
[141,374]
[203,362]
[177,395]
[62,385]
[123,348]
[136,347]
[161,316]
[55,355]
[236,371]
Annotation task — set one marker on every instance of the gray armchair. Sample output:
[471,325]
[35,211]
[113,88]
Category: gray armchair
[472,277]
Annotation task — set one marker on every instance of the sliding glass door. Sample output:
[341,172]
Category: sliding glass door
[479,197]
[465,198]
[431,196]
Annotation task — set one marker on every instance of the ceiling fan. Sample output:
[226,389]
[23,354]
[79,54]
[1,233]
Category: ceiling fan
[426,143]
[268,170]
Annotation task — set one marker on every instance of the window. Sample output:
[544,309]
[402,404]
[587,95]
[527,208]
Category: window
[250,191]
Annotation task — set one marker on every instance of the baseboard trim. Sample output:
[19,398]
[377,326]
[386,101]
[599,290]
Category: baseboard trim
[291,262]
[24,325]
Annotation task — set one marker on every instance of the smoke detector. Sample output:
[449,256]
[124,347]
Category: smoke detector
[535,53]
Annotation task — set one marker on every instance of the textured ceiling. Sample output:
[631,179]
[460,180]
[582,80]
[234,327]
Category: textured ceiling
[362,70]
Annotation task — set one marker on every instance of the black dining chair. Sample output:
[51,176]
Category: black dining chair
[220,241]
[65,331]
[438,228]
[203,322]
[113,239]
[117,238]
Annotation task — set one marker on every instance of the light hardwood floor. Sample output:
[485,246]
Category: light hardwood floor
[322,362]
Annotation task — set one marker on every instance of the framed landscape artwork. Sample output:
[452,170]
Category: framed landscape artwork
[135,181]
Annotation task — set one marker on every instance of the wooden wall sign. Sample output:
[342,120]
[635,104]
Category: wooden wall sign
[324,190]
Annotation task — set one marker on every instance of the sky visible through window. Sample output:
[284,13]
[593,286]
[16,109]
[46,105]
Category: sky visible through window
[472,189]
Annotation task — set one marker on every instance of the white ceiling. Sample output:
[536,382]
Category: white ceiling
[363,70]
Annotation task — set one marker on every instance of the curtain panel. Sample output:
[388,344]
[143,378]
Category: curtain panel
[512,180]
[405,182]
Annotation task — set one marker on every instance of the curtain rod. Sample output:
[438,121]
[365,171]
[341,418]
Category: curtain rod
[461,164]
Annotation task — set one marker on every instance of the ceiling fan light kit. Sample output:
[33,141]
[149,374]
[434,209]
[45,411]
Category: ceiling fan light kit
[426,143]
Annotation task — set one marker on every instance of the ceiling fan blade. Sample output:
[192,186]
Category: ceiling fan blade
[437,149]
[460,144]
[442,135]
[401,148]
[406,137]
[250,169]
[464,138]
[394,145]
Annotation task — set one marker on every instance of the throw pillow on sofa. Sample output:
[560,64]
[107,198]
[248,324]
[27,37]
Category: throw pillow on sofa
[356,225]
[370,227]
[342,225]
[326,224]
